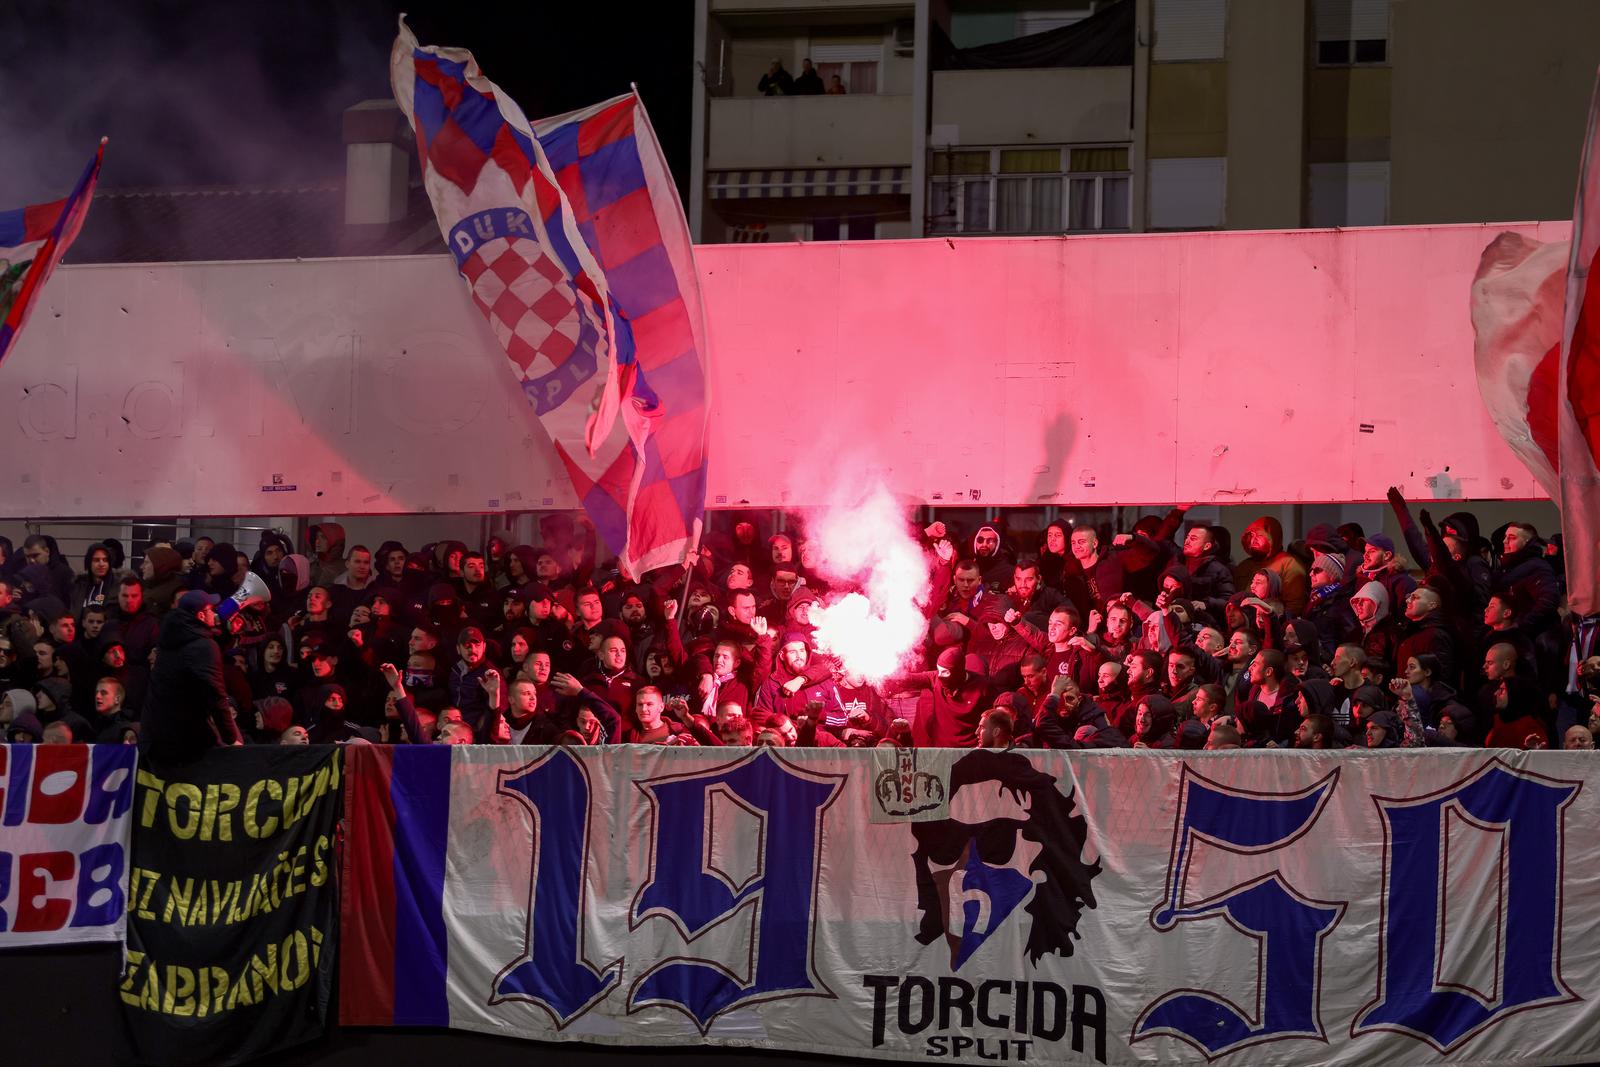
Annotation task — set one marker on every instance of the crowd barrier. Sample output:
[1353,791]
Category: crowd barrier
[1126,907]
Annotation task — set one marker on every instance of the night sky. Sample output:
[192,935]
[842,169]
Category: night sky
[251,93]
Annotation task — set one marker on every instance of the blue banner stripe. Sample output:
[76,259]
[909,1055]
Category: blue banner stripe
[420,790]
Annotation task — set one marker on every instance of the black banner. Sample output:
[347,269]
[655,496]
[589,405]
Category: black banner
[232,902]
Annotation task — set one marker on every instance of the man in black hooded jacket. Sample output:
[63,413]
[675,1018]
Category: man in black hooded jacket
[187,712]
[1523,566]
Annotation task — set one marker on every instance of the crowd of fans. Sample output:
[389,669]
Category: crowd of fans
[1159,637]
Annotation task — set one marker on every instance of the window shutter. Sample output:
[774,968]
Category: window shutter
[1190,29]
[1352,20]
[1349,194]
[1187,194]
[846,53]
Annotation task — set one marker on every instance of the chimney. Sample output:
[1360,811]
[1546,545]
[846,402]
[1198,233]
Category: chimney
[377,163]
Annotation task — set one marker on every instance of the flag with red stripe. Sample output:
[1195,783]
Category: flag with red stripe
[1578,388]
[397,810]
[574,246]
[32,241]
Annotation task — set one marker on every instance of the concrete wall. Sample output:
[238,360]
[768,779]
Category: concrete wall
[1267,52]
[1489,106]
[749,58]
[1020,107]
[809,131]
[1216,368]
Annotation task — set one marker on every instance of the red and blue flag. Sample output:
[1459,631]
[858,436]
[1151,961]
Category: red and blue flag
[573,243]
[32,241]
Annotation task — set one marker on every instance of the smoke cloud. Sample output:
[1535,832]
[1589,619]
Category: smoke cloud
[190,94]
[865,544]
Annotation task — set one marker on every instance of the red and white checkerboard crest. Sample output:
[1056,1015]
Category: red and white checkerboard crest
[518,288]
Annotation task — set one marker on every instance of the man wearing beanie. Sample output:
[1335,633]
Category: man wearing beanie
[1329,606]
[951,703]
[162,571]
[187,711]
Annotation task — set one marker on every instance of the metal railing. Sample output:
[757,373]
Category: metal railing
[74,536]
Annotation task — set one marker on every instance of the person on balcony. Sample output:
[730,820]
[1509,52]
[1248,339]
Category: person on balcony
[809,83]
[776,81]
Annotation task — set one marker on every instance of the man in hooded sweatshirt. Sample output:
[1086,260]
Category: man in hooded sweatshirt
[1374,630]
[779,695]
[327,553]
[1263,547]
[187,712]
[993,557]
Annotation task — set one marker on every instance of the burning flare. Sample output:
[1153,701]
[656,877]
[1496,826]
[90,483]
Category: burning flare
[866,545]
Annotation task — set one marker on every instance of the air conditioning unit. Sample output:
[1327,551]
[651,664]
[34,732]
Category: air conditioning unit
[905,38]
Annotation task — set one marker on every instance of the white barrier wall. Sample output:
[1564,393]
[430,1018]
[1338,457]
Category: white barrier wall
[1204,367]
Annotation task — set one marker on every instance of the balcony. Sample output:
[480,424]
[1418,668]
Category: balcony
[809,131]
[1062,105]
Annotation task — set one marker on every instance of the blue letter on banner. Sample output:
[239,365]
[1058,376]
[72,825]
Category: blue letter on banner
[552,972]
[1528,810]
[1289,926]
[685,887]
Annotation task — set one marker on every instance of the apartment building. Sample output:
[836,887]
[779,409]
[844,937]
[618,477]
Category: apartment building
[1080,116]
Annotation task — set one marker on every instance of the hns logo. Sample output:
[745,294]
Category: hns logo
[904,792]
[970,875]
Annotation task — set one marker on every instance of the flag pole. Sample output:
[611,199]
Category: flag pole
[689,565]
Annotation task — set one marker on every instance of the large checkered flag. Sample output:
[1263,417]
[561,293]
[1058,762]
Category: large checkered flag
[570,234]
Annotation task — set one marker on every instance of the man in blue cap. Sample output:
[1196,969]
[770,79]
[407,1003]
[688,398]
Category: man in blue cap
[186,711]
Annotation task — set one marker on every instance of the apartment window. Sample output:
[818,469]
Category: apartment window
[1352,53]
[1352,32]
[1030,190]
[855,64]
[848,228]
[1100,189]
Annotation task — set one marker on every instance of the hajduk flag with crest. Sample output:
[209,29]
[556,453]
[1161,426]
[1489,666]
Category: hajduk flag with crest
[572,241]
[32,241]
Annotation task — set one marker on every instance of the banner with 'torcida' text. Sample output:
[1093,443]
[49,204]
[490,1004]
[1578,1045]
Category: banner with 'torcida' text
[1113,907]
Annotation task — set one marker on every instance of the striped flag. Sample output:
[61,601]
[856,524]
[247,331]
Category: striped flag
[570,236]
[32,241]
[1578,390]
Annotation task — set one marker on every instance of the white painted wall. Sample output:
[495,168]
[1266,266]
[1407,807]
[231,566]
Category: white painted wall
[1210,367]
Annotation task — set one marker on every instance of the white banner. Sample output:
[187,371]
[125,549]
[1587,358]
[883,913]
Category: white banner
[64,826]
[1130,907]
